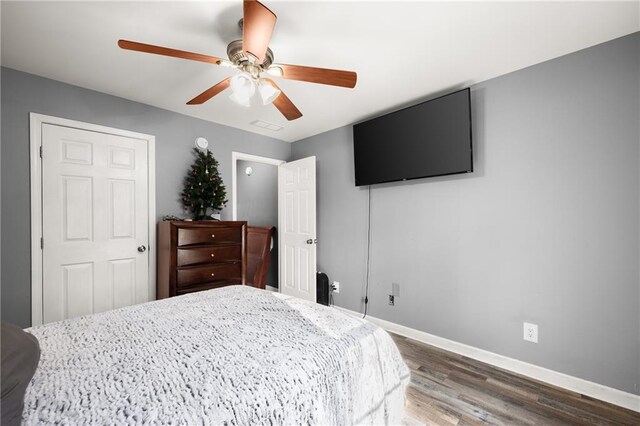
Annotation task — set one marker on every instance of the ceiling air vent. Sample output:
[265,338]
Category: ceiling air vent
[266,125]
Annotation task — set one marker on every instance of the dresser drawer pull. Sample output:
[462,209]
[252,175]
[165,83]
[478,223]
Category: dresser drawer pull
[212,274]
[213,255]
[213,235]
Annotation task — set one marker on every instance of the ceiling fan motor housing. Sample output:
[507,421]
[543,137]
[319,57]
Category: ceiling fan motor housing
[239,58]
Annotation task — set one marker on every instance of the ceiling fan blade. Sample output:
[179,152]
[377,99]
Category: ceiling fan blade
[319,75]
[258,24]
[284,104]
[165,51]
[210,92]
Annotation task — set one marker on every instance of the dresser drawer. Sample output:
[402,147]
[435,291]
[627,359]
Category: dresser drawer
[211,254]
[192,236]
[197,256]
[205,286]
[203,274]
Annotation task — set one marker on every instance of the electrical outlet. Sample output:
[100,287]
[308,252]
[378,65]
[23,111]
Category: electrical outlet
[392,300]
[531,332]
[336,287]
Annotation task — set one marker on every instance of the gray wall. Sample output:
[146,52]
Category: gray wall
[258,203]
[546,230]
[175,134]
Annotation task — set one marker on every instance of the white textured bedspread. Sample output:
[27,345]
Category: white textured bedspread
[235,355]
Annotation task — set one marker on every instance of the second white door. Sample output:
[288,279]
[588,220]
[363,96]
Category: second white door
[297,228]
[95,222]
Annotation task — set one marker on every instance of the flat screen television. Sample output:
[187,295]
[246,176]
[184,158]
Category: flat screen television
[429,139]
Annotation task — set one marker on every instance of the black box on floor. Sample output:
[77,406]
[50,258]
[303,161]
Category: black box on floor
[322,288]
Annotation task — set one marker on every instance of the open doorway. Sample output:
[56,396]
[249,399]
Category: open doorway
[255,199]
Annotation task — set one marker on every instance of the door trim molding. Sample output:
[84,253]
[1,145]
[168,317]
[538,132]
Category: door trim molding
[35,187]
[235,156]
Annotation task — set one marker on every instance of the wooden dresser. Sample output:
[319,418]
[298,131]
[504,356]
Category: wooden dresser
[196,256]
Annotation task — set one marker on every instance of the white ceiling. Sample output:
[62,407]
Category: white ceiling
[403,52]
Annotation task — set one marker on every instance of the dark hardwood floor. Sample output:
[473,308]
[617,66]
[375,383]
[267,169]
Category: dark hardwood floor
[450,389]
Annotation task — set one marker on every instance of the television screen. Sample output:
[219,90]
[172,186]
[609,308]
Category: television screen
[429,139]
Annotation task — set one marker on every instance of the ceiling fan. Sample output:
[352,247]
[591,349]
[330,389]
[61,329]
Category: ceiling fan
[253,57]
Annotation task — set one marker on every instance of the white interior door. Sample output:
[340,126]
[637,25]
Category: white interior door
[95,222]
[297,228]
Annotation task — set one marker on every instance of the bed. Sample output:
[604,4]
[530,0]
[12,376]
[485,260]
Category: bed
[235,355]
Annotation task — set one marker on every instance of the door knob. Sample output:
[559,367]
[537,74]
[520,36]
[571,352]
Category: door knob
[312,241]
[142,249]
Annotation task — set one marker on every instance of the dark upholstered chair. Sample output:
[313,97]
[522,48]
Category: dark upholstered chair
[259,254]
[20,356]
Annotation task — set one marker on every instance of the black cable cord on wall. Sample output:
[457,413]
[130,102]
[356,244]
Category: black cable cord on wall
[366,291]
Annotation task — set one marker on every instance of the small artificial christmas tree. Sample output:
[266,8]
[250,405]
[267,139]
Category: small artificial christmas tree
[203,186]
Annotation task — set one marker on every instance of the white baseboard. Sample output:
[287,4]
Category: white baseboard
[269,288]
[575,384]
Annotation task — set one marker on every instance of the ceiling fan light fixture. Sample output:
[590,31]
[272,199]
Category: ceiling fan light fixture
[243,88]
[275,71]
[245,102]
[268,93]
[243,85]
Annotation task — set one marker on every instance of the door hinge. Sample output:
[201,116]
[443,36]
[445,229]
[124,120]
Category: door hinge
[41,242]
[40,151]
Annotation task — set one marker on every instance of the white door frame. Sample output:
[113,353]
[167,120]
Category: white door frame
[36,121]
[235,156]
